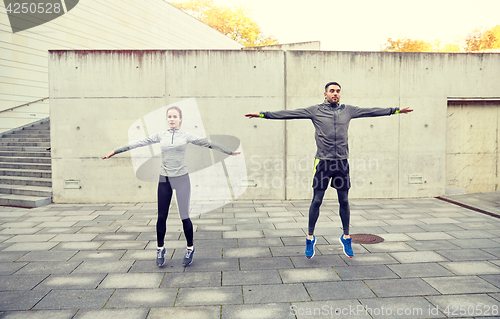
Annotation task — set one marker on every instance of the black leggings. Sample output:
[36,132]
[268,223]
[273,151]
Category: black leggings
[344,211]
[182,188]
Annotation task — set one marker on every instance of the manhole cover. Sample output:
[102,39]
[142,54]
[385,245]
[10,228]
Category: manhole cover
[366,239]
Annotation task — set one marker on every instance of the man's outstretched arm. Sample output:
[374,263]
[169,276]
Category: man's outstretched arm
[357,112]
[305,113]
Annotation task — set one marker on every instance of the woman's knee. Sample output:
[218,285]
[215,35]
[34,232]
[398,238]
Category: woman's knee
[186,223]
[161,219]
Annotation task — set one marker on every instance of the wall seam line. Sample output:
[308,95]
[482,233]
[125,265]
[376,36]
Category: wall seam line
[285,128]
[399,130]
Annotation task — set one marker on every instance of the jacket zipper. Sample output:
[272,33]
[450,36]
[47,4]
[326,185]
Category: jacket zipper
[173,132]
[335,127]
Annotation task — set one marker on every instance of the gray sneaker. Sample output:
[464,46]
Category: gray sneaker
[188,257]
[160,256]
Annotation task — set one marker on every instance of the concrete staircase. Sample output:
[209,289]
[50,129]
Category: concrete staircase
[25,166]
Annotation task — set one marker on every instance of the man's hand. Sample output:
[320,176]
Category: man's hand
[405,110]
[250,115]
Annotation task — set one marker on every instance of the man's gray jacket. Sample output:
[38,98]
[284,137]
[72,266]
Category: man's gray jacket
[331,122]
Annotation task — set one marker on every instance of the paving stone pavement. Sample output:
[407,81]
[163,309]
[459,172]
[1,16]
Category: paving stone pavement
[437,260]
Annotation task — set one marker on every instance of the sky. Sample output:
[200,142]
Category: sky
[365,25]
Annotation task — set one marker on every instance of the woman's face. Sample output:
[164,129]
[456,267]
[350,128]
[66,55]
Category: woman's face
[173,119]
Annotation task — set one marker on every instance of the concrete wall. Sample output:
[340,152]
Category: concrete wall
[397,156]
[92,24]
[472,153]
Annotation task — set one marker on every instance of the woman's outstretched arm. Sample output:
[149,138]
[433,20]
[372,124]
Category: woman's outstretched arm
[155,138]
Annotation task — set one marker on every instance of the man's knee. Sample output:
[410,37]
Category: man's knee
[343,198]
[317,198]
[316,202]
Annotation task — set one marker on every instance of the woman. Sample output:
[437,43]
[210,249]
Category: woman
[173,175]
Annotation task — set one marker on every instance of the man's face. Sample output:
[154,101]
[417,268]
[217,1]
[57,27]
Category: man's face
[332,94]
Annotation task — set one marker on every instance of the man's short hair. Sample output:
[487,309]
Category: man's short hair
[331,83]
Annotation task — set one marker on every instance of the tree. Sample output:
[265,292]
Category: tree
[481,40]
[234,23]
[407,45]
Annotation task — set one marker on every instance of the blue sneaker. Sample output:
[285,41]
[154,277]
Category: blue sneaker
[346,244]
[188,257]
[160,256]
[310,247]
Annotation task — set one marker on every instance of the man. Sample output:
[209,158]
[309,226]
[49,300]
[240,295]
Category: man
[331,122]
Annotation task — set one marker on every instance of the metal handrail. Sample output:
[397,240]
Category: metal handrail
[25,104]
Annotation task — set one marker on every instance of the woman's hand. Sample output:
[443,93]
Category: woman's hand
[109,155]
[235,153]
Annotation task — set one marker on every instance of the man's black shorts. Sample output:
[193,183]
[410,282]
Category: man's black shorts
[336,170]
